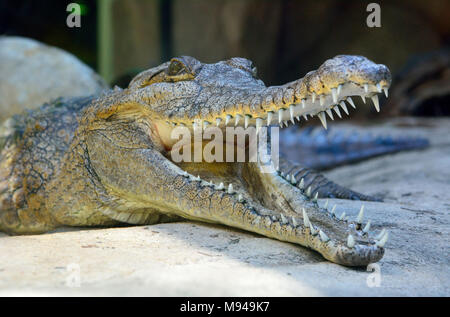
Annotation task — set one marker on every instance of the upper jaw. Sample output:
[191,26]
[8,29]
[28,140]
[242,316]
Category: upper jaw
[330,105]
[320,93]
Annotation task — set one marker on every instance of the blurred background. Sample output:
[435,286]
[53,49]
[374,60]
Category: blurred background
[284,38]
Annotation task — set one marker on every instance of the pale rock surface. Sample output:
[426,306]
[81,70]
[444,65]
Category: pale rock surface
[32,73]
[194,259]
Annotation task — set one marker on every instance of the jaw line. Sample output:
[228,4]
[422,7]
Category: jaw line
[315,105]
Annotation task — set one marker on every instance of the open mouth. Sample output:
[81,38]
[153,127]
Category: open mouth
[277,202]
[280,199]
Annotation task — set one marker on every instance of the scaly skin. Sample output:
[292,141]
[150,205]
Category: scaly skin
[322,149]
[102,161]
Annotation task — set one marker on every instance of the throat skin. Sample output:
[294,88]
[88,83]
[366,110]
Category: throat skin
[107,160]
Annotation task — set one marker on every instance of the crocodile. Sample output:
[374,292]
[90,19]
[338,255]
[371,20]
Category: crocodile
[108,160]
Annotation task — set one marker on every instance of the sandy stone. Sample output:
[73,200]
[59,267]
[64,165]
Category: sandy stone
[194,259]
[32,73]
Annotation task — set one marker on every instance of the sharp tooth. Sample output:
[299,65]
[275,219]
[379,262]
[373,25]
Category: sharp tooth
[205,124]
[227,119]
[268,222]
[230,189]
[342,216]
[376,103]
[383,240]
[366,88]
[283,219]
[246,119]
[339,89]
[218,120]
[360,215]
[363,98]
[293,180]
[344,107]
[302,184]
[269,117]
[323,236]
[322,100]
[336,109]
[280,116]
[334,94]
[259,122]
[303,103]
[220,187]
[313,97]
[367,227]
[380,235]
[282,174]
[350,241]
[313,231]
[305,218]
[333,210]
[240,198]
[298,118]
[236,121]
[198,178]
[326,204]
[350,101]
[288,177]
[185,174]
[294,222]
[316,196]
[291,112]
[330,114]
[323,119]
[308,191]
[386,92]
[305,116]
[379,87]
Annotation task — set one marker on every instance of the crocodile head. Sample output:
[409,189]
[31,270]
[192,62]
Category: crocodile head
[187,93]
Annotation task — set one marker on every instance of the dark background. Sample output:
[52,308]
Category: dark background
[284,38]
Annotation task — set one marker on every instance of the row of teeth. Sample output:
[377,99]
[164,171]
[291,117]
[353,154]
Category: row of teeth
[296,108]
[380,239]
[230,190]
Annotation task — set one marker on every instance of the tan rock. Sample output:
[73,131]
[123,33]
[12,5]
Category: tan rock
[32,73]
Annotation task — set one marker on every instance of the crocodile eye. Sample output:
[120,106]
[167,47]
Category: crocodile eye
[244,64]
[175,67]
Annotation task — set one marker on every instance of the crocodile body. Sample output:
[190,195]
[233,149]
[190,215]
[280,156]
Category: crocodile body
[324,149]
[108,160]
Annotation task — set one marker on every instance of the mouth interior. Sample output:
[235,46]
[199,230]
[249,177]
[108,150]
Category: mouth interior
[240,175]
